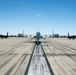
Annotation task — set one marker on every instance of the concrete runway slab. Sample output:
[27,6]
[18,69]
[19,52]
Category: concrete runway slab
[15,54]
[61,54]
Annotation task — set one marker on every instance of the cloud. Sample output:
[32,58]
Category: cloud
[38,15]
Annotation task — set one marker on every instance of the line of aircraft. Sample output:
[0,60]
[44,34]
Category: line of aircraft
[38,36]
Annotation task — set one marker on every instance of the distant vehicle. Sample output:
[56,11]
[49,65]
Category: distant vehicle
[20,35]
[56,35]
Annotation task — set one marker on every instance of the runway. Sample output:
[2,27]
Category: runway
[38,64]
[14,56]
[59,54]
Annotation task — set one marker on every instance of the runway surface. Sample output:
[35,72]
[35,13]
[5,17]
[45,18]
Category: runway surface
[38,65]
[15,54]
[61,54]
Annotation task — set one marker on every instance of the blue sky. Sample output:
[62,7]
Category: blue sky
[29,15]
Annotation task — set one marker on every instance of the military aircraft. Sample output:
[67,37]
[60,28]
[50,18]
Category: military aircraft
[37,38]
[4,36]
[72,36]
[38,35]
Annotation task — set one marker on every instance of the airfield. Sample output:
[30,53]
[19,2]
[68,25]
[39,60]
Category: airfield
[58,53]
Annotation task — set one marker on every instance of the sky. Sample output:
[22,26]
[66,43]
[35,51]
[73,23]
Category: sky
[38,15]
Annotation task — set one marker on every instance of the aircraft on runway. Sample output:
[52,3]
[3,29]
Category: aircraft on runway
[72,36]
[38,36]
[4,36]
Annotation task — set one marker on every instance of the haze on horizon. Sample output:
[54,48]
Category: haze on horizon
[29,15]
